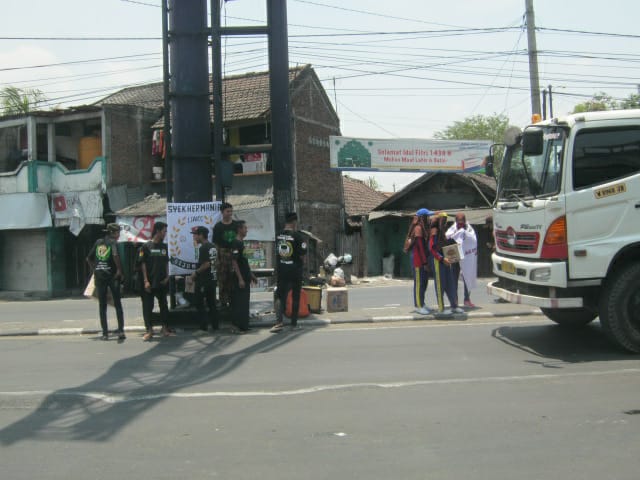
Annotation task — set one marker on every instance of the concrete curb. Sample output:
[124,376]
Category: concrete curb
[312,322]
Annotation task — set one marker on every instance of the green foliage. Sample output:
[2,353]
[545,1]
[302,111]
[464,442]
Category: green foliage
[20,101]
[372,183]
[601,102]
[477,127]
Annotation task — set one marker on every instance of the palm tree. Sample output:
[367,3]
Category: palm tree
[20,101]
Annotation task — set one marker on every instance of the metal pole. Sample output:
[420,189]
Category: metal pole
[544,104]
[533,58]
[216,79]
[168,163]
[282,159]
[550,102]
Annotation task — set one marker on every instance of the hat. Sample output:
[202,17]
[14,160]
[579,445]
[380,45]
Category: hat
[200,231]
[424,212]
[112,227]
[291,216]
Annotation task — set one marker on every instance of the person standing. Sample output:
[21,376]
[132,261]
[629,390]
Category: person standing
[417,244]
[224,232]
[465,236]
[241,293]
[441,267]
[154,267]
[205,280]
[104,261]
[291,251]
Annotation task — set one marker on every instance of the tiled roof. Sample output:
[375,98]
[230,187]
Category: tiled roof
[360,199]
[245,97]
[150,95]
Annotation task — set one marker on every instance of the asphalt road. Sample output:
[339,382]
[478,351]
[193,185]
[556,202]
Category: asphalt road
[475,400]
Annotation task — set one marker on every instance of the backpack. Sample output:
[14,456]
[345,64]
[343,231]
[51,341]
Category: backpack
[303,308]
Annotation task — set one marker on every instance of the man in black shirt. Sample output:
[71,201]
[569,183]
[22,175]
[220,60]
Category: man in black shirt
[205,279]
[291,250]
[241,293]
[154,267]
[224,232]
[104,260]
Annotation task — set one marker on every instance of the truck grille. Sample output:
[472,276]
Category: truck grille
[525,242]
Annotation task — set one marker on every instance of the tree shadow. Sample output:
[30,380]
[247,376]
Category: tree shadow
[555,345]
[97,410]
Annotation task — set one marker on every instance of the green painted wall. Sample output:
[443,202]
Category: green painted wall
[55,247]
[386,236]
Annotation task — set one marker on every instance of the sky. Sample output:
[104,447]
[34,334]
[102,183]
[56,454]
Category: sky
[401,69]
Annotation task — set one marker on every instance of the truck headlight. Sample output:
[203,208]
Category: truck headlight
[540,274]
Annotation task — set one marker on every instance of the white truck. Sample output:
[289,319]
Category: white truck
[567,222]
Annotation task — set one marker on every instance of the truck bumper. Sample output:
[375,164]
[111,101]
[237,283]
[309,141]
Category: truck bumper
[542,302]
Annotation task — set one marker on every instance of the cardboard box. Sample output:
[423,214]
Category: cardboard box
[337,299]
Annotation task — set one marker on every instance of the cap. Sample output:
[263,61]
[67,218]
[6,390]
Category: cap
[112,227]
[291,216]
[424,212]
[200,230]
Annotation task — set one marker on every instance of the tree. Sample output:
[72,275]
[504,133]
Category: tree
[20,101]
[601,101]
[372,183]
[477,127]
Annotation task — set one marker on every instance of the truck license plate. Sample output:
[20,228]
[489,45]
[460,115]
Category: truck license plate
[508,267]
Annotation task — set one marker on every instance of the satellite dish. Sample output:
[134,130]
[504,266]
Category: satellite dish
[511,135]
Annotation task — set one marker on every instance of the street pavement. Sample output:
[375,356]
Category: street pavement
[78,316]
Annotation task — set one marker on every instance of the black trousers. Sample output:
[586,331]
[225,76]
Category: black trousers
[240,302]
[101,287]
[206,293]
[148,299]
[289,279]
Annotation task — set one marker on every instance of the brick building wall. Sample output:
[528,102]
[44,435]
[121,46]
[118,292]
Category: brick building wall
[129,144]
[318,189]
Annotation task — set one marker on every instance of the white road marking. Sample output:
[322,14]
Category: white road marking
[113,399]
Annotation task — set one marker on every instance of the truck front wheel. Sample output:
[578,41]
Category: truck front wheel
[570,317]
[620,308]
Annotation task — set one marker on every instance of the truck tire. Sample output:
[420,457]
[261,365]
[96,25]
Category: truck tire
[570,317]
[620,308]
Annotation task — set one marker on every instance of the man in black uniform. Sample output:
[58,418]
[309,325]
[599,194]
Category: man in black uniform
[154,267]
[205,280]
[291,250]
[241,293]
[224,232]
[104,260]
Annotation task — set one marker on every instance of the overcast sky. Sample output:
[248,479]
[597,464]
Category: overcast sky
[401,69]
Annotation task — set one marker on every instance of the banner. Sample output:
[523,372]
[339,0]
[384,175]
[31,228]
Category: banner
[410,155]
[21,211]
[181,217]
[137,229]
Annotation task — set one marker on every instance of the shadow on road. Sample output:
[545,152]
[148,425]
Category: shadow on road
[555,345]
[100,408]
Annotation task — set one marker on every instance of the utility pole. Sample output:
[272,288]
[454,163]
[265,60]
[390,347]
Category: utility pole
[534,80]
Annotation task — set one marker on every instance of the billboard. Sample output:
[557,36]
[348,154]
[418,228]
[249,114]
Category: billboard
[408,155]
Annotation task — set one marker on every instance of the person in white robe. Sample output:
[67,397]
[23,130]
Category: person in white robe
[465,236]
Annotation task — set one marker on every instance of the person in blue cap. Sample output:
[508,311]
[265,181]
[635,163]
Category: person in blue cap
[417,245]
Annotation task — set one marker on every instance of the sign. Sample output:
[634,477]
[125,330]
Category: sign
[20,211]
[181,217]
[410,155]
[611,190]
[137,229]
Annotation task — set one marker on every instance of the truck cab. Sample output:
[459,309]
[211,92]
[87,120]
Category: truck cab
[567,222]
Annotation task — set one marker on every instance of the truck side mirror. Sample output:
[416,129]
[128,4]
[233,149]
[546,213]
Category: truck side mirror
[532,141]
[488,167]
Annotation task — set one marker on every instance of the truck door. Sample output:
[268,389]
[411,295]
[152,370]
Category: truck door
[603,197]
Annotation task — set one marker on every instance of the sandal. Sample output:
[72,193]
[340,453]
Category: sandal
[167,332]
[277,327]
[147,336]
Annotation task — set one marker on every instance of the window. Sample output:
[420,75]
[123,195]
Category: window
[600,156]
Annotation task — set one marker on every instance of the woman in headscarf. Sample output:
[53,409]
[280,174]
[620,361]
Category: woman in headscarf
[443,275]
[416,244]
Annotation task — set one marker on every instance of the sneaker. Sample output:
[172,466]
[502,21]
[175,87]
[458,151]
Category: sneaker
[121,335]
[277,328]
[457,310]
[468,303]
[167,332]
[423,311]
[105,336]
[295,327]
[446,311]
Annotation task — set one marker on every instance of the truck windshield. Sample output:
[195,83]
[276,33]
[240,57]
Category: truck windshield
[528,176]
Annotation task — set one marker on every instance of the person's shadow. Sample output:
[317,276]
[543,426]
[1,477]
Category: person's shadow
[98,409]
